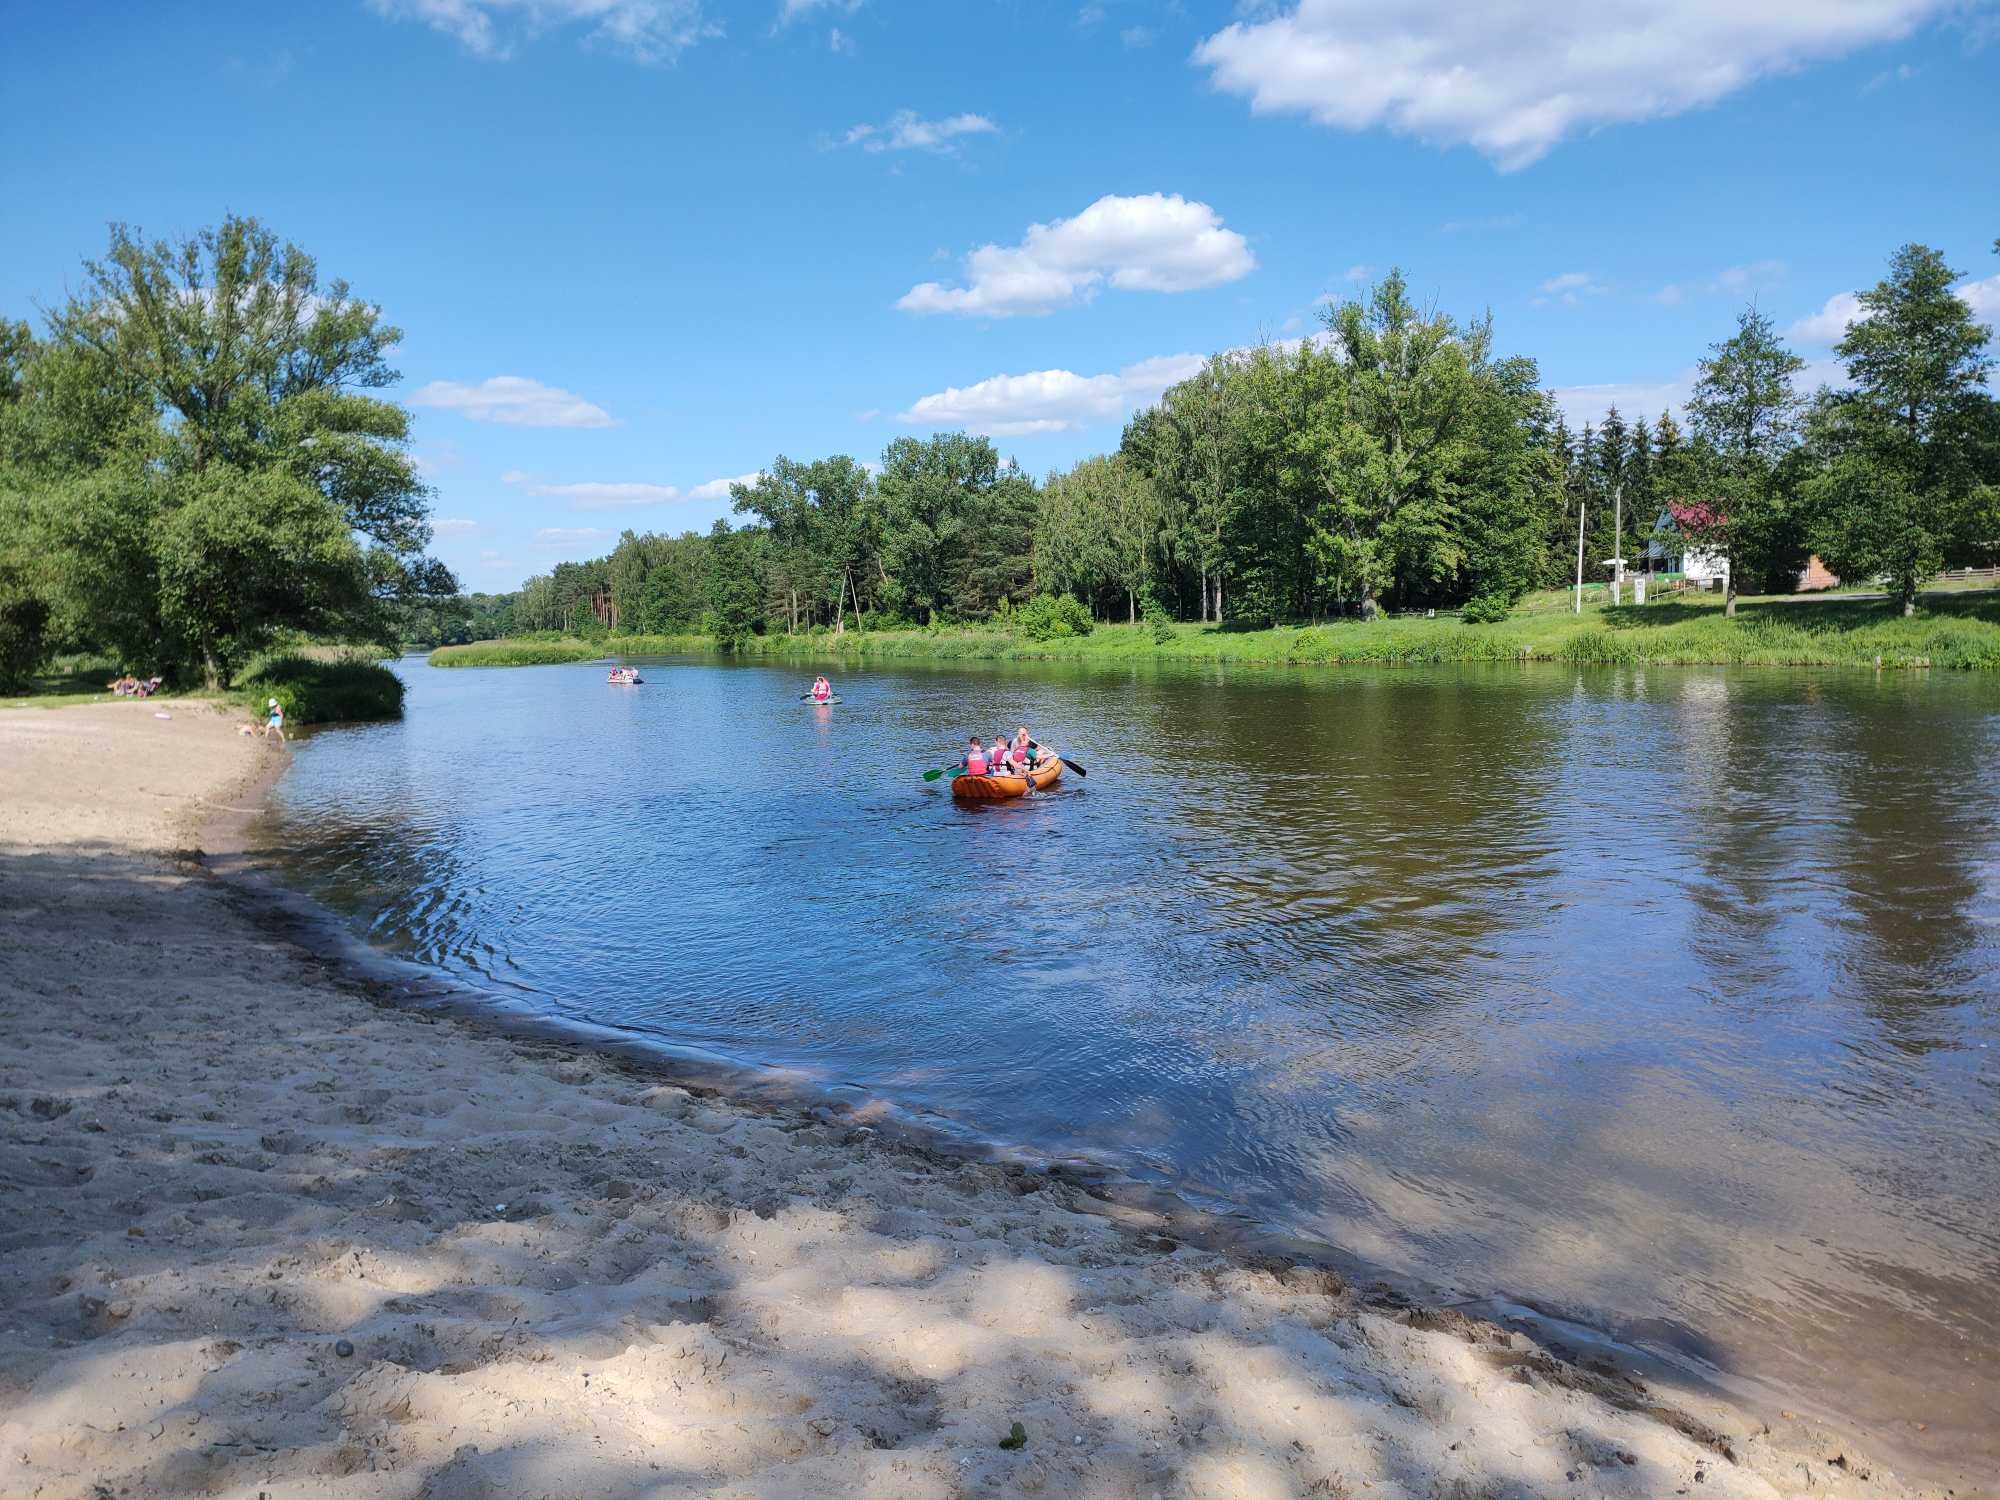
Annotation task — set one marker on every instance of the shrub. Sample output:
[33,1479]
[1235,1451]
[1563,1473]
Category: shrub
[325,692]
[1158,621]
[1053,617]
[1485,609]
[24,632]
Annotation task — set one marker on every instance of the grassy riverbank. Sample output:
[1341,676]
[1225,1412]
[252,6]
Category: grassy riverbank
[1948,631]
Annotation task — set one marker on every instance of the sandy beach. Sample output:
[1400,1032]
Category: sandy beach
[264,1236]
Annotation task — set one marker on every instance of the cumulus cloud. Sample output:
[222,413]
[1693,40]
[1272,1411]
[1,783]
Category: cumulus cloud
[905,130]
[1983,297]
[1829,325]
[1152,243]
[648,31]
[718,489]
[453,525]
[1049,400]
[1513,78]
[513,401]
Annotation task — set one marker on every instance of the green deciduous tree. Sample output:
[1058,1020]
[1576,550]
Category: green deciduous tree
[734,590]
[204,407]
[1744,415]
[1906,466]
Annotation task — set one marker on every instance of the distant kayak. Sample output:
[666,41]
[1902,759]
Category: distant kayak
[821,702]
[625,676]
[999,788]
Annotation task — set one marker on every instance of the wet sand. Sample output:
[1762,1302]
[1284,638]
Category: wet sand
[262,1234]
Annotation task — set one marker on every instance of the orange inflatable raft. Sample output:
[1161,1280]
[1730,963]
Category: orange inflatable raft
[997,788]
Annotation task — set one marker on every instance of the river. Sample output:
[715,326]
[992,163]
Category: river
[1664,999]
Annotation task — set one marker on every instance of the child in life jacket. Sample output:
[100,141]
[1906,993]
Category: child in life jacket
[975,759]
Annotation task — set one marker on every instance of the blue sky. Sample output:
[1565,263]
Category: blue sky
[640,246]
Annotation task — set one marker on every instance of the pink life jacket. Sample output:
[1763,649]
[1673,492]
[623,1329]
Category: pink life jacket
[975,763]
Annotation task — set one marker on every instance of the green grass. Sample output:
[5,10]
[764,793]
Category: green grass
[516,653]
[1959,631]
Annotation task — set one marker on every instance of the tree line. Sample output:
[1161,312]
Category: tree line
[195,460]
[1396,460]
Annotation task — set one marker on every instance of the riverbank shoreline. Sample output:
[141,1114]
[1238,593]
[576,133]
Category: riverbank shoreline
[1956,631]
[559,1272]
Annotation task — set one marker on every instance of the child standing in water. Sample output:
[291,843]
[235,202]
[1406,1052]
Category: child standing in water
[274,724]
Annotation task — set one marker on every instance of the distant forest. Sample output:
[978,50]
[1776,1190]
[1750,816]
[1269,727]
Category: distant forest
[1396,460]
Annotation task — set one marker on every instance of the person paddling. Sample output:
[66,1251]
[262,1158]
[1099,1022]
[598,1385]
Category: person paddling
[975,759]
[822,690]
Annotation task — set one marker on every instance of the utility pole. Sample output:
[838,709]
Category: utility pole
[1618,541]
[1579,557]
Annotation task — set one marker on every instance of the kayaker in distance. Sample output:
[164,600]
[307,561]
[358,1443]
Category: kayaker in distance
[822,690]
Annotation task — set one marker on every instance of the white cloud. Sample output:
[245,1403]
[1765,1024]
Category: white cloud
[562,536]
[603,496]
[791,10]
[1135,37]
[1983,297]
[1829,325]
[906,131]
[1357,273]
[453,525]
[648,31]
[1152,243]
[1588,403]
[600,495]
[1902,73]
[491,559]
[1570,288]
[1513,78]
[840,42]
[1049,400]
[513,401]
[1730,281]
[718,489]
[593,494]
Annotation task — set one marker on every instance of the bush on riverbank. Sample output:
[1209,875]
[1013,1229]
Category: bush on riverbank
[1952,632]
[519,653]
[316,690]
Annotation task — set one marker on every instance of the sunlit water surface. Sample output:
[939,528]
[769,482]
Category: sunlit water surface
[1667,998]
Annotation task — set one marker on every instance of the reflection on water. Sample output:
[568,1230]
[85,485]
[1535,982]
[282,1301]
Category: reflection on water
[1661,997]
